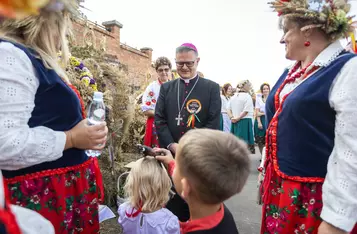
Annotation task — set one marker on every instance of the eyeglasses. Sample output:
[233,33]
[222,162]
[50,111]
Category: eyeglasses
[187,63]
[163,70]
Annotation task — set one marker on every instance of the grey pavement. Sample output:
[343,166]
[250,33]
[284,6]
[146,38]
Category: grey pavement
[243,206]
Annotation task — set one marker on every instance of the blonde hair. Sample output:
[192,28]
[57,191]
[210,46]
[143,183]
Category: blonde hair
[45,34]
[216,164]
[148,185]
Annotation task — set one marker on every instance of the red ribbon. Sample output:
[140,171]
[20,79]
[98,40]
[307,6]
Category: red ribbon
[136,213]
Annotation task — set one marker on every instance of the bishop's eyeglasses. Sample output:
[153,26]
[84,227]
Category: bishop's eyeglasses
[187,63]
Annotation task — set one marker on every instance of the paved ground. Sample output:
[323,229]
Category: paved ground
[244,208]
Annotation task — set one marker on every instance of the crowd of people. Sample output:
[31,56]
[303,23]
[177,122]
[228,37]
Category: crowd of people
[202,134]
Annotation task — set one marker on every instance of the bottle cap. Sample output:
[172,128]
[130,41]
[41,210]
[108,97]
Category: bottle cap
[98,96]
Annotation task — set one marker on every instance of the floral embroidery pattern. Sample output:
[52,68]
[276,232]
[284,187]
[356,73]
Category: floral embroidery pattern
[57,198]
[150,99]
[293,207]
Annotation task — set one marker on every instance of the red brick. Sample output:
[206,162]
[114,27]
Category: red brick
[138,62]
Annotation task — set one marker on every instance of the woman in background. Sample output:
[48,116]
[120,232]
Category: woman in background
[163,68]
[225,96]
[260,125]
[240,111]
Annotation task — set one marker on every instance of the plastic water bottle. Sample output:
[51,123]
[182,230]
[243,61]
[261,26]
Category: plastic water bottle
[96,115]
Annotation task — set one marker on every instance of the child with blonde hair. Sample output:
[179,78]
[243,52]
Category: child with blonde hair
[210,167]
[147,189]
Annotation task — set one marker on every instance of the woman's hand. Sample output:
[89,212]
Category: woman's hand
[235,120]
[260,125]
[326,228]
[83,136]
[259,114]
[260,178]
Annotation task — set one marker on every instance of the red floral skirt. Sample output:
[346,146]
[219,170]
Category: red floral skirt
[67,197]
[150,138]
[291,207]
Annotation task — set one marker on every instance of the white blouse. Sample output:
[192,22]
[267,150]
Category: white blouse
[224,101]
[20,145]
[150,96]
[260,104]
[239,103]
[340,187]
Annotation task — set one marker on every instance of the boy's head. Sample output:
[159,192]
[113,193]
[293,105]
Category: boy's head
[148,185]
[211,166]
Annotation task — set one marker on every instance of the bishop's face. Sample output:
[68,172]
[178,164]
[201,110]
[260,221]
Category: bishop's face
[186,64]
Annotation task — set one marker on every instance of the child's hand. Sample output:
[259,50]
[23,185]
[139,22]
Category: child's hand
[165,156]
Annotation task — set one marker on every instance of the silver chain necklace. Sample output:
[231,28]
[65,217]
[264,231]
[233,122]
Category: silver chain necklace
[179,118]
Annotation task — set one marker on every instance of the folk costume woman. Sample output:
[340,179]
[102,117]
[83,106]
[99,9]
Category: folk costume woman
[163,68]
[240,111]
[311,150]
[225,124]
[259,124]
[44,133]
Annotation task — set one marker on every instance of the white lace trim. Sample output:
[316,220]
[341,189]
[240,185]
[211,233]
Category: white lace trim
[327,56]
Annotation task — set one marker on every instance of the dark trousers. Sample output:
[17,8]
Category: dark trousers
[178,207]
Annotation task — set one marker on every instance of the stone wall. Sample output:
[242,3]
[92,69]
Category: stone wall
[106,37]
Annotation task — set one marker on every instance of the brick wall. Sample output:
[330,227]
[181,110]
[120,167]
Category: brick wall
[107,38]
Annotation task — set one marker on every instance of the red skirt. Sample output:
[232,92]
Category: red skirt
[291,207]
[67,197]
[150,138]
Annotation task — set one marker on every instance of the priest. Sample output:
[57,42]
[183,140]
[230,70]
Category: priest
[183,104]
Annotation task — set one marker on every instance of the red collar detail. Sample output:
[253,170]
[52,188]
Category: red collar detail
[134,214]
[205,223]
[160,82]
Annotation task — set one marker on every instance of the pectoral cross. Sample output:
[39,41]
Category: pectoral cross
[178,118]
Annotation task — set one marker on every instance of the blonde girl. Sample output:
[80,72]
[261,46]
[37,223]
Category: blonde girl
[147,189]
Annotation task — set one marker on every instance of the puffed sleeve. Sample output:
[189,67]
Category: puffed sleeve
[121,212]
[173,225]
[20,145]
[148,95]
[340,186]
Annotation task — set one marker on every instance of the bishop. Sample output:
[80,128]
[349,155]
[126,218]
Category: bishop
[183,104]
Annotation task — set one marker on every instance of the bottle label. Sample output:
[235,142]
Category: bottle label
[99,115]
